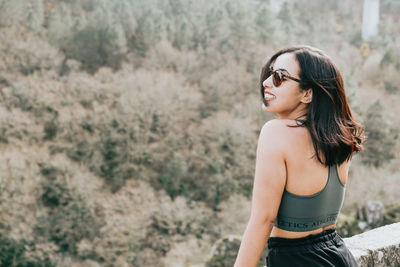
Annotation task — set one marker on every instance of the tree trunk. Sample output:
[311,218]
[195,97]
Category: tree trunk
[370,19]
[275,5]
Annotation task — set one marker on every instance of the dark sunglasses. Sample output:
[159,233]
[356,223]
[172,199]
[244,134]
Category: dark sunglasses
[278,77]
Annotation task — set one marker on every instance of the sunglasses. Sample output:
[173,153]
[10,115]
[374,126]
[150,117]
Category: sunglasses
[278,77]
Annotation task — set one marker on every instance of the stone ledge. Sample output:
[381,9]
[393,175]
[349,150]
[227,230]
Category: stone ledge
[379,247]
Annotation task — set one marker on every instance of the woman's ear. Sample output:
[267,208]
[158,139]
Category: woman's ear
[307,96]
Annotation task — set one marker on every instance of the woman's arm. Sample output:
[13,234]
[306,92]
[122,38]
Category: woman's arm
[269,183]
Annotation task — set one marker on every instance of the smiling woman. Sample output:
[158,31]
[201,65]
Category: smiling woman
[302,164]
[282,94]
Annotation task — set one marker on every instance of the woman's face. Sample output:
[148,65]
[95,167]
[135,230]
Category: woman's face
[285,100]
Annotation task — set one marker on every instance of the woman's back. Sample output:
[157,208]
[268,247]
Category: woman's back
[305,175]
[299,188]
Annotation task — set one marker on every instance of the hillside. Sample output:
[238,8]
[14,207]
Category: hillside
[129,128]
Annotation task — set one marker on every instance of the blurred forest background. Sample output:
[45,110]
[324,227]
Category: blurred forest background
[129,128]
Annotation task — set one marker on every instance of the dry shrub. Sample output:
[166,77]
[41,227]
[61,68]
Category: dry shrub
[16,125]
[342,52]
[104,75]
[370,69]
[28,14]
[159,108]
[234,215]
[370,183]
[148,92]
[176,222]
[381,69]
[229,85]
[189,252]
[59,22]
[35,102]
[118,147]
[83,94]
[18,209]
[182,217]
[26,53]
[223,160]
[11,12]
[20,187]
[165,57]
[380,146]
[191,65]
[142,225]
[391,79]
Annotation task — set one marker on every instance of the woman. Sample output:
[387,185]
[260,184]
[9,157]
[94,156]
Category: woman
[302,163]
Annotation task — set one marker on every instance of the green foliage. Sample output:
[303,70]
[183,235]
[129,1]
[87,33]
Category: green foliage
[391,6]
[95,46]
[116,160]
[391,87]
[391,57]
[211,102]
[220,167]
[55,191]
[68,218]
[174,177]
[98,39]
[380,146]
[50,130]
[12,253]
[144,35]
[110,153]
[392,214]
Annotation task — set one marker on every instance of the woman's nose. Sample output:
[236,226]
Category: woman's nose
[266,83]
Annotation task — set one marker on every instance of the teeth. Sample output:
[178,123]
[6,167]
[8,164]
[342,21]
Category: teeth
[269,96]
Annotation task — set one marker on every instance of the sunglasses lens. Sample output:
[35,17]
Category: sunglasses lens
[277,78]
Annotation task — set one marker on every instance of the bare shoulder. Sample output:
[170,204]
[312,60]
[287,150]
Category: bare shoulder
[275,124]
[274,133]
[277,134]
[278,128]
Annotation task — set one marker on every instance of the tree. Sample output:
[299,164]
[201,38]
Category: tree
[380,146]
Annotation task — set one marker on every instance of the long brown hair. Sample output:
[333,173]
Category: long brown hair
[334,131]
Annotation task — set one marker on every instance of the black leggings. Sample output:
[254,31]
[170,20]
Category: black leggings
[324,249]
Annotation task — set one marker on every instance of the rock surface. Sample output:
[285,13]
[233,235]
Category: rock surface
[379,247]
[224,251]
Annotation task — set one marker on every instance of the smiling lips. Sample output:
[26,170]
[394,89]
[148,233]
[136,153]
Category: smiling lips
[268,96]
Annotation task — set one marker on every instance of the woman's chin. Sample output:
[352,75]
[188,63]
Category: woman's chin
[265,108]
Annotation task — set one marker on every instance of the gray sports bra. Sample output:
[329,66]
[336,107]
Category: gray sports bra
[306,213]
